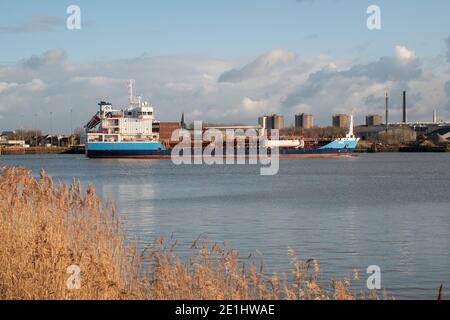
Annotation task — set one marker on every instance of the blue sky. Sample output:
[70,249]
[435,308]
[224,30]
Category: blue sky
[283,56]
[226,29]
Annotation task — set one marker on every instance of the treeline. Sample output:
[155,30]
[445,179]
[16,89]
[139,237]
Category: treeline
[22,134]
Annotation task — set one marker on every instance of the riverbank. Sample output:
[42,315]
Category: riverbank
[362,148]
[42,150]
[52,235]
[371,147]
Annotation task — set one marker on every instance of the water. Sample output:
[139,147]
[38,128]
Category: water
[390,210]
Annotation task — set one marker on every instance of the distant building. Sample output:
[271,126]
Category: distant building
[367,132]
[182,123]
[271,122]
[232,131]
[263,122]
[13,143]
[278,122]
[165,129]
[341,121]
[304,121]
[8,133]
[374,120]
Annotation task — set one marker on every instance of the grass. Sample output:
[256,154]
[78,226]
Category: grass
[47,227]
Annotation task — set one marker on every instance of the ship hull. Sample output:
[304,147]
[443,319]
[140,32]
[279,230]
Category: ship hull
[166,154]
[155,150]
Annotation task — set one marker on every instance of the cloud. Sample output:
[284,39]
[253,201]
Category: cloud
[261,66]
[259,107]
[447,43]
[341,90]
[402,66]
[404,55]
[35,25]
[276,82]
[50,57]
[447,91]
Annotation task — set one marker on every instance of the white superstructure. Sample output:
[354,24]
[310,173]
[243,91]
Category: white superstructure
[134,123]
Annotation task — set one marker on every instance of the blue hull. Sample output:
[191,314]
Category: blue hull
[155,150]
[162,154]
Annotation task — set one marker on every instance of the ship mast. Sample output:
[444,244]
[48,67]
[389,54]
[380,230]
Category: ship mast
[350,129]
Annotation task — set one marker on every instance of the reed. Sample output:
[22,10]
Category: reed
[47,227]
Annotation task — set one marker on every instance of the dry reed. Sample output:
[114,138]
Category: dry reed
[45,228]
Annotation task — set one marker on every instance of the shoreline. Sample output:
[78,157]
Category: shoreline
[80,150]
[42,150]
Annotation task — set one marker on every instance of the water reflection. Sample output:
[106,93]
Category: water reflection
[390,210]
[134,201]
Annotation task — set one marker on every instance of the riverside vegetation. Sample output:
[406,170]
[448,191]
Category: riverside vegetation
[45,227]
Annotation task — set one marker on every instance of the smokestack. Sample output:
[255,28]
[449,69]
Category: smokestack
[387,112]
[404,107]
[434,116]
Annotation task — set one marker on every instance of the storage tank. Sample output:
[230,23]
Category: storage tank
[284,144]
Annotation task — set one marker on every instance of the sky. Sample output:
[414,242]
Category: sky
[222,61]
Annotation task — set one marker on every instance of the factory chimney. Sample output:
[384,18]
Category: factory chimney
[404,107]
[434,116]
[387,112]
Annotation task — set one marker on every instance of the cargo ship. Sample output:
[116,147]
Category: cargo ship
[133,132]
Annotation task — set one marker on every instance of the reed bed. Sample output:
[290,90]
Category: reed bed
[47,227]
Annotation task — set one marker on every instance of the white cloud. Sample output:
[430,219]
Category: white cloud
[36,85]
[257,108]
[276,82]
[252,105]
[360,88]
[403,54]
[5,86]
[262,66]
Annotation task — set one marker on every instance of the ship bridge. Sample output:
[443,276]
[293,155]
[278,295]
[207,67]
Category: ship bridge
[134,123]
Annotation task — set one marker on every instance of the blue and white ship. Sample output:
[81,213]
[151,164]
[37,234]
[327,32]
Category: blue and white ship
[129,132]
[133,132]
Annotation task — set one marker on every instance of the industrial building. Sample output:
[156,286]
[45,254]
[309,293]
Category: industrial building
[271,122]
[341,121]
[277,122]
[237,130]
[304,121]
[374,120]
[263,121]
[165,129]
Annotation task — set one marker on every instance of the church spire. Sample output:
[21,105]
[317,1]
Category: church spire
[183,125]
